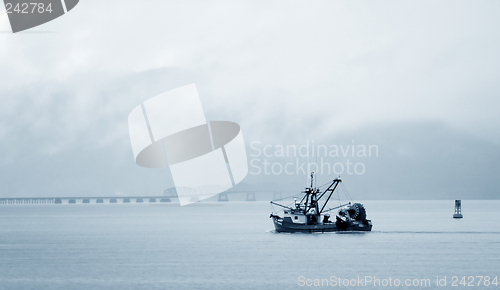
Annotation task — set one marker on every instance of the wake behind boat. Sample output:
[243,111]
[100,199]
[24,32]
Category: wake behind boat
[309,214]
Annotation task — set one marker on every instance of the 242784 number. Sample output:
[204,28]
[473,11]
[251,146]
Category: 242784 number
[25,8]
[474,281]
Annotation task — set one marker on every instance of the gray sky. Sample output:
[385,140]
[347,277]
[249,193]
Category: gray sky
[418,79]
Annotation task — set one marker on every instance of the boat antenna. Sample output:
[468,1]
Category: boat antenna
[316,162]
[312,179]
[307,166]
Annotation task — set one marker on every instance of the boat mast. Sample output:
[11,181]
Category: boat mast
[312,200]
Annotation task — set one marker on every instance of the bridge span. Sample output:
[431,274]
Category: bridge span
[251,191]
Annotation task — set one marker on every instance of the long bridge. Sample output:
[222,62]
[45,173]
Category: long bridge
[59,200]
[168,195]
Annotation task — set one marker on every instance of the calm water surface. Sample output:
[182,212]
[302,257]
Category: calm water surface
[233,246]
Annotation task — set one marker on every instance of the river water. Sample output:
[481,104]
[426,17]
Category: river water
[232,245]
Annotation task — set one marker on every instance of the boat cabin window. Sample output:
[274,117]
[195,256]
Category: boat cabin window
[296,217]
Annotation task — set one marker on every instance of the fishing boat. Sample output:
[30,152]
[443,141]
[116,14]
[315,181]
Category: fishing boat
[311,213]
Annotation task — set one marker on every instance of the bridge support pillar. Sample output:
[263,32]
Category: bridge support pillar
[251,196]
[223,197]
